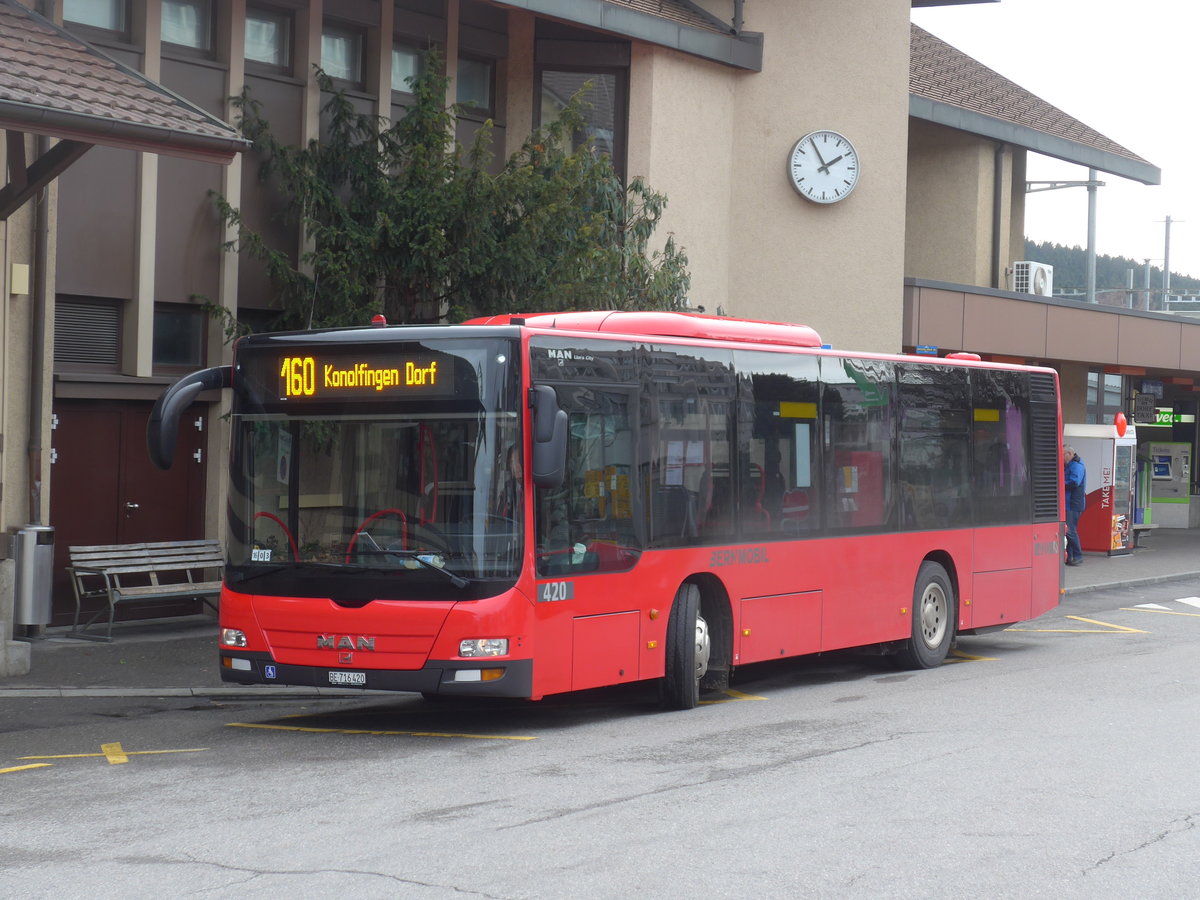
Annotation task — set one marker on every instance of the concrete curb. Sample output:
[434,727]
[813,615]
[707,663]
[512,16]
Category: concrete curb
[1131,582]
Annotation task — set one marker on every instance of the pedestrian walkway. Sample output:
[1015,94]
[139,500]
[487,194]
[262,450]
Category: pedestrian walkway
[1167,554]
[178,657]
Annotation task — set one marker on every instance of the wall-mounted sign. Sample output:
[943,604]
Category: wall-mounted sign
[1166,415]
[1143,409]
[926,350]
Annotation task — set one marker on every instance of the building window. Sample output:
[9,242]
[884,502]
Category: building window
[179,332]
[406,65]
[109,15]
[187,23]
[268,38]
[87,334]
[341,54]
[1104,395]
[604,118]
[474,84]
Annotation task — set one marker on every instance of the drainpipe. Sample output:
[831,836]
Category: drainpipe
[738,18]
[37,355]
[997,207]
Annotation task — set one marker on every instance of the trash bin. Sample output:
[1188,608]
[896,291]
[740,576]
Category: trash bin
[33,550]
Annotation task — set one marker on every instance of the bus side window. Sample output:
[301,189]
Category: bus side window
[588,524]
[1001,471]
[778,443]
[859,437]
[933,466]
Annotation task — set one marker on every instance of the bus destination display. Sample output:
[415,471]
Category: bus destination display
[321,377]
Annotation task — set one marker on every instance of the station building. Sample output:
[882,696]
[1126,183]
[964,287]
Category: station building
[705,99]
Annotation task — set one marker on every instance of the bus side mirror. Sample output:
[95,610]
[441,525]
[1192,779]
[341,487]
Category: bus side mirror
[163,427]
[549,438]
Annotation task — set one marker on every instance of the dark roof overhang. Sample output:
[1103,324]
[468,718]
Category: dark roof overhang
[1032,139]
[678,24]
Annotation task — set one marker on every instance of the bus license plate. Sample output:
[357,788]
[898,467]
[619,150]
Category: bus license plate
[356,679]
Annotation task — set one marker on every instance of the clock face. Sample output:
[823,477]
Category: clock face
[823,167]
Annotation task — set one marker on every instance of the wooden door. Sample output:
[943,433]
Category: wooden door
[105,490]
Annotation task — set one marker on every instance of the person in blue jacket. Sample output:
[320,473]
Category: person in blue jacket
[1075,485]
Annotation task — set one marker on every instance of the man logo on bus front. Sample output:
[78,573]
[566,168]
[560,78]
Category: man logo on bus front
[344,642]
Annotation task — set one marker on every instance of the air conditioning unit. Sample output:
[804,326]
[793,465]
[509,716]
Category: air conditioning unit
[1033,278]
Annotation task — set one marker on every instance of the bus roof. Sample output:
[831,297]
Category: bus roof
[666,324]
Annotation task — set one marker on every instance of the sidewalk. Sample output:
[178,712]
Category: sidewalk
[178,657]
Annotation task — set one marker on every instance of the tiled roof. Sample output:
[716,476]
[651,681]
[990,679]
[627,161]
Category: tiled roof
[53,83]
[940,73]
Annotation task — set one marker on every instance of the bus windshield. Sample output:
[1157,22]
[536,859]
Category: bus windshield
[402,499]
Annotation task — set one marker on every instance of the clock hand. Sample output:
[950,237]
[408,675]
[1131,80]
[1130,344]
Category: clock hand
[821,161]
[825,167]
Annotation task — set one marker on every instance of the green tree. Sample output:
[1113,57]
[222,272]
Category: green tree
[405,221]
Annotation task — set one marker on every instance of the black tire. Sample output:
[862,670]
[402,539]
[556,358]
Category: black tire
[688,649]
[934,612]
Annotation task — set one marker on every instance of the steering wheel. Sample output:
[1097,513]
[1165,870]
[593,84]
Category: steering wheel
[371,518]
[287,533]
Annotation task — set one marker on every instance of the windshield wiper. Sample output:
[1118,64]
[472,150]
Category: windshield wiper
[428,560]
[283,567]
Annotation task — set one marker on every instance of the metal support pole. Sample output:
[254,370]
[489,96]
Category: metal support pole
[1091,237]
[1167,265]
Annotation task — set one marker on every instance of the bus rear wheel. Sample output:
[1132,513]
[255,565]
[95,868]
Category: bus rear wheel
[933,613]
[688,649]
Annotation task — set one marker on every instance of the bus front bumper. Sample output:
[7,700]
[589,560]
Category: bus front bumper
[449,677]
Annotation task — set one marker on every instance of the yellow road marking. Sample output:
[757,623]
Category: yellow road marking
[732,695]
[1109,628]
[311,730]
[1164,612]
[110,754]
[967,657]
[114,754]
[23,768]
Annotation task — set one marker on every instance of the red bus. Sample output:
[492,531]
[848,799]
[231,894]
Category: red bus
[527,505]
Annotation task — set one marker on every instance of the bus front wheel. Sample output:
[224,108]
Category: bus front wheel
[933,612]
[688,649]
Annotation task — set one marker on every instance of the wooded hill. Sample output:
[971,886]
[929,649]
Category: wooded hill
[1070,270]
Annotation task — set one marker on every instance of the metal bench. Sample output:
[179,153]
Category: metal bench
[128,573]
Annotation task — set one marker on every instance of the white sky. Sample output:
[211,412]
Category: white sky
[1129,70]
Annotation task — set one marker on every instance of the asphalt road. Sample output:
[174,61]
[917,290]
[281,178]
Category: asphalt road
[1055,760]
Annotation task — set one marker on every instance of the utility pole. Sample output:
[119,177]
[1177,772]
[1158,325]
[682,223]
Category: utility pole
[1146,303]
[1167,264]
[1166,278]
[1091,231]
[1091,184]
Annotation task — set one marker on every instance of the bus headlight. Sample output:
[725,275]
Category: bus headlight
[484,647]
[231,637]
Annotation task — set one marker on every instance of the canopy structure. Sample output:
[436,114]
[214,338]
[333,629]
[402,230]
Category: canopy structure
[949,88]
[54,84]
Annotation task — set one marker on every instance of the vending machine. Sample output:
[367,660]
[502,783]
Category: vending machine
[1170,480]
[1110,459]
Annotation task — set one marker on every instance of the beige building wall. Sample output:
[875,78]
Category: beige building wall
[951,202]
[680,113]
[838,268]
[949,209]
